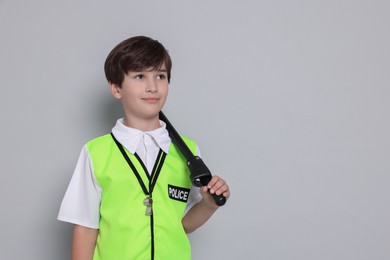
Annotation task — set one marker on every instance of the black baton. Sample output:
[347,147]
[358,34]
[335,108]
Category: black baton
[199,173]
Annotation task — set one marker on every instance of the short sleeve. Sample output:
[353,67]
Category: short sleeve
[81,202]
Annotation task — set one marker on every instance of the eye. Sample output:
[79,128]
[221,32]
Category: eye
[139,76]
[161,76]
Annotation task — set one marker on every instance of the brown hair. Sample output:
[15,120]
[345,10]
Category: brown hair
[136,54]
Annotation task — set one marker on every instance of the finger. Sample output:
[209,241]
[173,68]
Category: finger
[219,187]
[226,194]
[204,189]
[221,190]
[213,180]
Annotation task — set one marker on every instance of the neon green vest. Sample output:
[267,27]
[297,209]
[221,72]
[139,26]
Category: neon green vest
[126,232]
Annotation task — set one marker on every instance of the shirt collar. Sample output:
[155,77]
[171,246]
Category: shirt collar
[131,138]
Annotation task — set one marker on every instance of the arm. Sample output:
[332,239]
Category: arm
[203,210]
[84,241]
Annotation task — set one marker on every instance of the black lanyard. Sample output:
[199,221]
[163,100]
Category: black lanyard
[155,172]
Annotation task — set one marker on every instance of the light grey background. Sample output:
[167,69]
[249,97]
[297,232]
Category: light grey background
[288,100]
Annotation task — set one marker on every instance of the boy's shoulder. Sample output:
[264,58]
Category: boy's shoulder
[190,143]
[187,140]
[99,141]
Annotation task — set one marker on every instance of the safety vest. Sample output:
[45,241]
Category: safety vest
[140,214]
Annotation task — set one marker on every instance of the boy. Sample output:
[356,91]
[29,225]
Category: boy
[122,194]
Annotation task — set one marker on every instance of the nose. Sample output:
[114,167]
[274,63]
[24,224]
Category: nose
[151,86]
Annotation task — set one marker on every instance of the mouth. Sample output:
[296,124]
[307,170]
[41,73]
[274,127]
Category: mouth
[151,99]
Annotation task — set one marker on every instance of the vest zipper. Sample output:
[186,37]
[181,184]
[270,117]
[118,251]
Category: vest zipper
[152,237]
[152,182]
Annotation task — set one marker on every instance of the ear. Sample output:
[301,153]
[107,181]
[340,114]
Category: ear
[115,90]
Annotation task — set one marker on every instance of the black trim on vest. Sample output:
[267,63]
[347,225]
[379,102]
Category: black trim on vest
[152,235]
[156,168]
[152,180]
[141,183]
[143,165]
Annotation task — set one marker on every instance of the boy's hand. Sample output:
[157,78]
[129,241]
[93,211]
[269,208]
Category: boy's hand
[204,209]
[216,186]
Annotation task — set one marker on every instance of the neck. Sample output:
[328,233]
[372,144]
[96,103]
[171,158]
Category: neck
[144,125]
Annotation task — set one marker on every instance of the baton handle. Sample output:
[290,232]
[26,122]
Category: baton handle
[201,176]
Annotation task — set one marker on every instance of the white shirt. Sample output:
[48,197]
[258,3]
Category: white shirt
[81,202]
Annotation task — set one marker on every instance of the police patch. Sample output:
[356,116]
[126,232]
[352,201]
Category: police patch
[178,193]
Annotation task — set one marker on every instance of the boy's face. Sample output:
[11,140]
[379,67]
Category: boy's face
[142,94]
